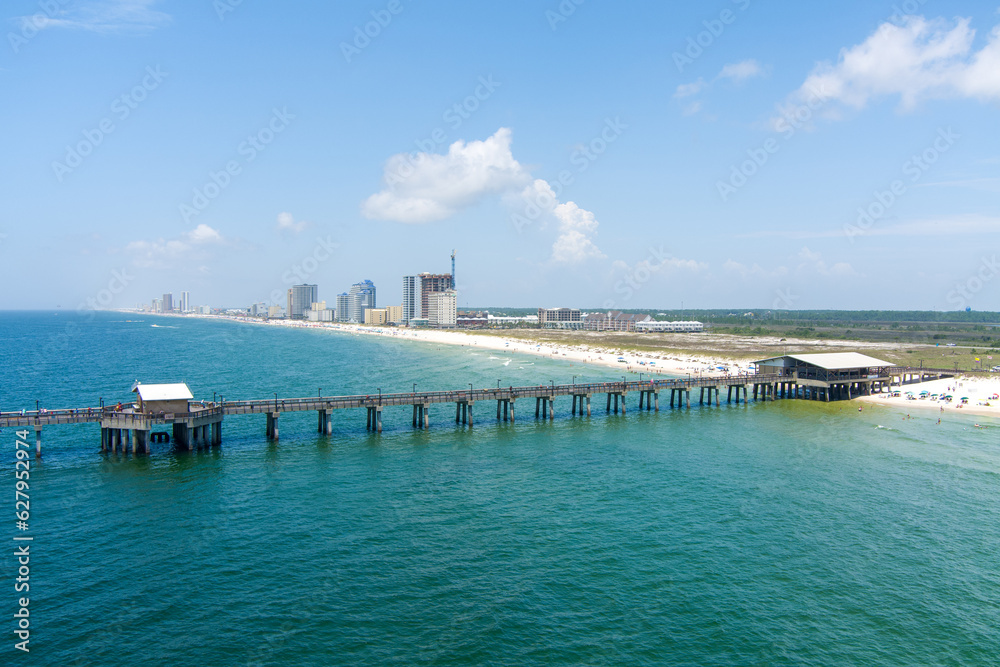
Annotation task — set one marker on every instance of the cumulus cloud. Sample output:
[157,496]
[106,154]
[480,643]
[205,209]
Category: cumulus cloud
[575,227]
[425,187]
[918,59]
[286,223]
[102,16]
[161,252]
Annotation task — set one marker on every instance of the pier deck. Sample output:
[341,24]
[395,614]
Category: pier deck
[202,424]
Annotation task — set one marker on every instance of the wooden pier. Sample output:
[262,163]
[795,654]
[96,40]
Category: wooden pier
[130,428]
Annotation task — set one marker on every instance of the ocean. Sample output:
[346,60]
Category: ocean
[781,533]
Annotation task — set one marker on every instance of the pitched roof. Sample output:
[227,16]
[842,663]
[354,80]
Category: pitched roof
[835,360]
[163,392]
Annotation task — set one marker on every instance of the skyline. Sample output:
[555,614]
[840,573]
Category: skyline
[740,155]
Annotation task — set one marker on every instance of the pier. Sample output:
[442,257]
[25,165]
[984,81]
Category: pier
[198,424]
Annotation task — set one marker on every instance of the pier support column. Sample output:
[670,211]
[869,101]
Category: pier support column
[426,414]
[552,409]
[656,401]
[512,410]
[609,403]
[378,419]
[469,408]
[588,405]
[38,442]
[687,397]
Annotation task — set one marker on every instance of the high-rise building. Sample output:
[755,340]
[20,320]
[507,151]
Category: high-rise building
[343,313]
[185,301]
[411,298]
[299,299]
[168,303]
[362,296]
[442,308]
[429,284]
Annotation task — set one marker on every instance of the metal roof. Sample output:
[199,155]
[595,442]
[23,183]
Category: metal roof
[832,361]
[163,392]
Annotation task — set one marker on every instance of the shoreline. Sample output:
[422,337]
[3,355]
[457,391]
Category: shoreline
[634,362]
[979,390]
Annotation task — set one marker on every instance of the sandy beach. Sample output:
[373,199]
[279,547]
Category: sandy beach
[979,391]
[982,396]
[630,361]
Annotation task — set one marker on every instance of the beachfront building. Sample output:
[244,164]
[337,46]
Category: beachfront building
[275,312]
[343,311]
[167,303]
[394,314]
[299,299]
[411,298]
[362,296]
[442,308]
[613,320]
[318,312]
[671,327]
[378,316]
[833,375]
[560,318]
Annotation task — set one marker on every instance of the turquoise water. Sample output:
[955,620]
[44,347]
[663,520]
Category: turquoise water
[778,533]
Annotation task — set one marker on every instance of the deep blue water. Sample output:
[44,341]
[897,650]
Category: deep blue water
[777,533]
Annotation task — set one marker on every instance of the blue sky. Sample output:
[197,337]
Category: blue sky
[582,153]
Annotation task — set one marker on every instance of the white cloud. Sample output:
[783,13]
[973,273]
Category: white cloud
[162,253]
[203,234]
[575,227]
[689,89]
[813,262]
[917,60]
[286,223]
[736,72]
[426,187]
[741,71]
[103,16]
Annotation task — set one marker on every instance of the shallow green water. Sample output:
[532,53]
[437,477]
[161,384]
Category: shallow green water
[779,533]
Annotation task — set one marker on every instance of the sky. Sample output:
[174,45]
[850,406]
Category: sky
[583,153]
